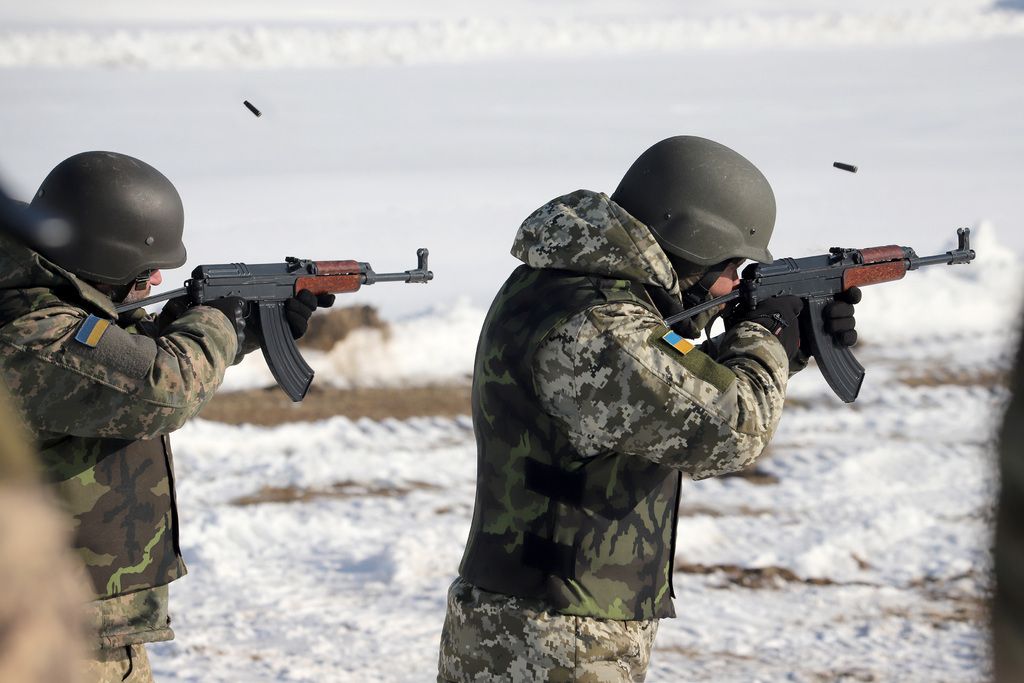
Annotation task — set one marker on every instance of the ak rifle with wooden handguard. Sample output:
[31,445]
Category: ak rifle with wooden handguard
[816,280]
[268,286]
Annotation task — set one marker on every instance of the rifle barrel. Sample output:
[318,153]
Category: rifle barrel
[400,277]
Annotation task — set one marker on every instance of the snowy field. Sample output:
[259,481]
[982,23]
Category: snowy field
[859,548]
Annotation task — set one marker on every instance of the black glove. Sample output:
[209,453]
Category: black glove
[235,309]
[838,317]
[300,307]
[172,310]
[779,314]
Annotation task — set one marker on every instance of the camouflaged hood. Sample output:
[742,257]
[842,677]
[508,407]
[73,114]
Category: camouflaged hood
[586,232]
[23,268]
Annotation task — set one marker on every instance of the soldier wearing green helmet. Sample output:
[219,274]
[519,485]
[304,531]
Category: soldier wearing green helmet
[703,202]
[101,392]
[588,410]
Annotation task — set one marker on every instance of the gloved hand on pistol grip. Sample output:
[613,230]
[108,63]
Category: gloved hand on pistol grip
[172,310]
[838,317]
[235,309]
[300,307]
[779,315]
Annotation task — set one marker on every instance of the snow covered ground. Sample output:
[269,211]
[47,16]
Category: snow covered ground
[858,552]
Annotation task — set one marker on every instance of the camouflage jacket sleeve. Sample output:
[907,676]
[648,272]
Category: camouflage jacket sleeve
[127,386]
[713,348]
[616,385]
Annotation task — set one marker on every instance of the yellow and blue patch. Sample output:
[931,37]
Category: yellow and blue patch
[92,331]
[677,342]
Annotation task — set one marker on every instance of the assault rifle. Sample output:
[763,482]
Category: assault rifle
[816,280]
[269,285]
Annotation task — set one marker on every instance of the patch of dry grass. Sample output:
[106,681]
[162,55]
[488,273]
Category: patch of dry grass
[753,474]
[688,510]
[751,577]
[329,326]
[271,406]
[339,490]
[987,378]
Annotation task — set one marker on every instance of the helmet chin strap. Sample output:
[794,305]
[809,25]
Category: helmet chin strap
[119,293]
[141,280]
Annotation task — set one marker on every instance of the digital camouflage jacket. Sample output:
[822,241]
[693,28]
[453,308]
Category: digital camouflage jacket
[585,415]
[99,406]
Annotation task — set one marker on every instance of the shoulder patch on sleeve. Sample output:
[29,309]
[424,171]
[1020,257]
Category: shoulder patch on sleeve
[120,350]
[677,342]
[684,352]
[91,331]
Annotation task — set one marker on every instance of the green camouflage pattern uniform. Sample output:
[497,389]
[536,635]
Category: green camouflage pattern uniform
[100,413]
[585,418]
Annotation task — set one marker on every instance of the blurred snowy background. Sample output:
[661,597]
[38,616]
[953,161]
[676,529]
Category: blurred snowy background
[858,548]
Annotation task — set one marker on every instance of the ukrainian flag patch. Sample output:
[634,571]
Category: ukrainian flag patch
[677,342]
[92,331]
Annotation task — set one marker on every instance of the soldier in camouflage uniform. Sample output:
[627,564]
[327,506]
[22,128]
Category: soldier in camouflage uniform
[587,410]
[101,392]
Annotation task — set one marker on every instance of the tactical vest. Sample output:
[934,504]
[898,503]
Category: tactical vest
[592,536]
[121,497]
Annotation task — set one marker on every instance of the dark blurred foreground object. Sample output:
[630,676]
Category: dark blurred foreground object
[1008,610]
[43,587]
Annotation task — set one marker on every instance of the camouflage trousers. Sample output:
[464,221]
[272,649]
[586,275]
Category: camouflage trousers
[112,665]
[492,638]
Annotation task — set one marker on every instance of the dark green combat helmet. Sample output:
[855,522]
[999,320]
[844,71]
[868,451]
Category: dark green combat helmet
[122,217]
[705,203]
